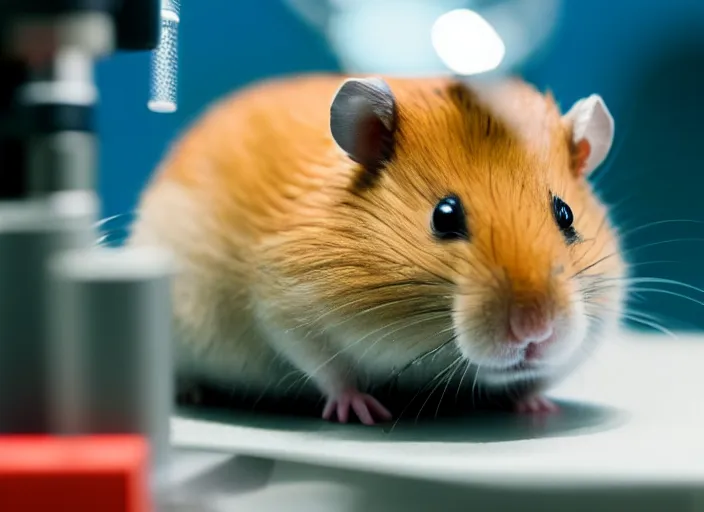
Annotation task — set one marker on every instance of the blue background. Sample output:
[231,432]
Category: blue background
[645,57]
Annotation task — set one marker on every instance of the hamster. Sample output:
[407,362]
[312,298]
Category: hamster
[331,230]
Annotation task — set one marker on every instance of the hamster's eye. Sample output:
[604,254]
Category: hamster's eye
[449,220]
[565,219]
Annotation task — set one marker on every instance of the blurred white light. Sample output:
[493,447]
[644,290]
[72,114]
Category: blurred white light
[390,37]
[467,43]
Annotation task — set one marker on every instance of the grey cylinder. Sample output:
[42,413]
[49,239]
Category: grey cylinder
[30,233]
[112,320]
[62,161]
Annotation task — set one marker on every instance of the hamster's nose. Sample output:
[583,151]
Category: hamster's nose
[529,323]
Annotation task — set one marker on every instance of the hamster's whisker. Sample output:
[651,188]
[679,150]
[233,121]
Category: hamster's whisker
[476,378]
[442,315]
[658,318]
[654,290]
[457,364]
[668,292]
[630,310]
[438,382]
[654,280]
[425,355]
[651,324]
[643,320]
[615,207]
[662,242]
[467,365]
[639,264]
[446,329]
[440,375]
[595,237]
[395,302]
[593,264]
[442,310]
[474,385]
[415,283]
[602,224]
[299,379]
[594,287]
[368,335]
[636,229]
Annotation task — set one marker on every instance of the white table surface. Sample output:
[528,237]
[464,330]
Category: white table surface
[630,434]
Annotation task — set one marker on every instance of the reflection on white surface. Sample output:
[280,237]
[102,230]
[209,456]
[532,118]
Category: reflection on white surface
[467,43]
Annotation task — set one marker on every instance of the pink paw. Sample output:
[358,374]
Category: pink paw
[536,405]
[366,407]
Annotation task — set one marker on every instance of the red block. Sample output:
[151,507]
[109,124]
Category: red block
[74,474]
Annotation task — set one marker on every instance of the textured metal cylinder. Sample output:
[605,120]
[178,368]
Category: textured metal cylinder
[172,5]
[164,80]
[31,232]
[112,319]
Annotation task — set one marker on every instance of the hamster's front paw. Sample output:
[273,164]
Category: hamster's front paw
[535,405]
[366,407]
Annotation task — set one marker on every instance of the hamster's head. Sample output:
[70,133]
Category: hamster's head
[479,195]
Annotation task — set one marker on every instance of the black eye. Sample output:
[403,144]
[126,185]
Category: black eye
[449,220]
[564,218]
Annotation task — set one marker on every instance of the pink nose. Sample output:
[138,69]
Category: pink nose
[530,324]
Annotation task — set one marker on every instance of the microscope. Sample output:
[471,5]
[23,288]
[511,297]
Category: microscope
[84,329]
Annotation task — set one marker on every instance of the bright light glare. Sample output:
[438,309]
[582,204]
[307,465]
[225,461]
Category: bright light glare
[467,43]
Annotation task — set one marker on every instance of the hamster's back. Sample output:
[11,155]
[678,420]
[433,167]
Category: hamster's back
[239,172]
[253,165]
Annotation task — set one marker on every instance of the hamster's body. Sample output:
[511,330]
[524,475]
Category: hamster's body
[306,266]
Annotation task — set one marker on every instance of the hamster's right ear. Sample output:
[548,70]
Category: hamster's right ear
[363,121]
[592,129]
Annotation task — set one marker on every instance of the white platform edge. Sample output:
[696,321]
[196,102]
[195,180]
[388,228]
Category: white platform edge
[661,444]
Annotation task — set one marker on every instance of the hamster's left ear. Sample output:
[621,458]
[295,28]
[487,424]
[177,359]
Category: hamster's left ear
[363,121]
[592,129]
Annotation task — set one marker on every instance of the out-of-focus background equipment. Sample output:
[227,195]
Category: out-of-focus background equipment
[426,37]
[84,330]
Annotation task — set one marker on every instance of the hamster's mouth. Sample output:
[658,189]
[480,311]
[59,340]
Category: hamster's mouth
[517,372]
[524,363]
[521,366]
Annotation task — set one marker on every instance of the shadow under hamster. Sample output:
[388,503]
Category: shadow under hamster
[431,416]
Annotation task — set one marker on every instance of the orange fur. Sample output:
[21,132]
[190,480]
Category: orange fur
[278,245]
